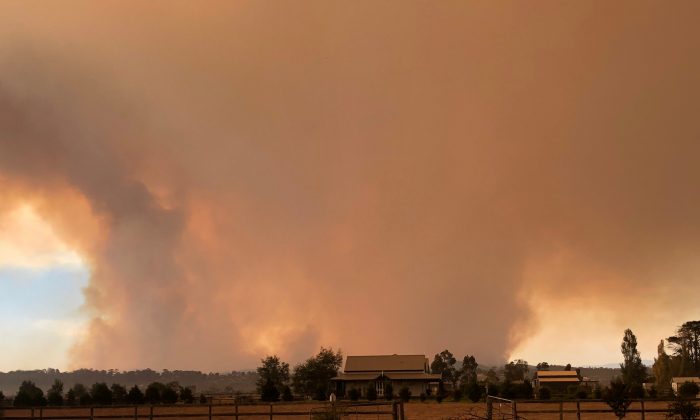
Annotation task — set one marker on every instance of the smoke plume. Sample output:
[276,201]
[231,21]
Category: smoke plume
[247,178]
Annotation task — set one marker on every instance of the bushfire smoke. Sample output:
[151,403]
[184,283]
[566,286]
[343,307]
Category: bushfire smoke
[246,178]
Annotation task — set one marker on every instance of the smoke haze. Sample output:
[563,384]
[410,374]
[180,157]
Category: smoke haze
[246,178]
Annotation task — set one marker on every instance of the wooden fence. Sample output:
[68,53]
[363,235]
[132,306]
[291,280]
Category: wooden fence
[377,410]
[500,408]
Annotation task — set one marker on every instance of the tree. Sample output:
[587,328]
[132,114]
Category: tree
[633,371]
[684,407]
[688,390]
[492,376]
[70,398]
[269,391]
[2,398]
[287,393]
[516,370]
[78,394]
[29,395]
[186,395]
[101,394]
[543,366]
[469,368]
[154,392]
[617,397]
[272,373]
[662,371]
[474,391]
[444,364]
[686,347]
[371,392]
[169,395]
[314,375]
[567,367]
[54,396]
[118,394]
[135,396]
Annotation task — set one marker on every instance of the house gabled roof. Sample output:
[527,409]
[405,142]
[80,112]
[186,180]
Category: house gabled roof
[386,363]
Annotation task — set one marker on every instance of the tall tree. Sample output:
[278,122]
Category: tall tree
[272,373]
[686,346]
[468,371]
[444,364]
[516,370]
[313,377]
[633,371]
[662,370]
[55,393]
[29,395]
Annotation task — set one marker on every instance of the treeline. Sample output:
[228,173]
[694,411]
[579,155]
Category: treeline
[684,357]
[199,381]
[30,395]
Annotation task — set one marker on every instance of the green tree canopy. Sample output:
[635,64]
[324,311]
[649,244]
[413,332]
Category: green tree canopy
[54,395]
[633,371]
[272,372]
[444,364]
[314,375]
[516,370]
[29,395]
[686,346]
[468,371]
[135,396]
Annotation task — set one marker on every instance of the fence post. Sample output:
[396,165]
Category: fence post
[150,413]
[32,413]
[235,402]
[561,409]
[394,411]
[270,411]
[136,412]
[92,413]
[643,416]
[209,411]
[41,413]
[403,414]
[578,410]
[489,408]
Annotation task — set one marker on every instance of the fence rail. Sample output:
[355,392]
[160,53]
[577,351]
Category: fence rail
[512,409]
[209,411]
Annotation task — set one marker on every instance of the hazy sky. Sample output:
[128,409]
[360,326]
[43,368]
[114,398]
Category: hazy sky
[199,184]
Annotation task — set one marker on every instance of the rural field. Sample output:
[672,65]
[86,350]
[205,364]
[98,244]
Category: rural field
[412,411]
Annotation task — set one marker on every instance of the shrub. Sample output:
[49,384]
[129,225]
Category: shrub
[688,390]
[135,396]
[405,394]
[354,394]
[29,395]
[101,394]
[389,392]
[683,408]
[617,397]
[474,391]
[371,392]
[186,395]
[269,392]
[545,393]
[457,394]
[287,394]
[636,391]
[169,396]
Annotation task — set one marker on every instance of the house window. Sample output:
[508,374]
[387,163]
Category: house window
[379,386]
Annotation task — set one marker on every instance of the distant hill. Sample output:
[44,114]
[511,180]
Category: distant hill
[200,382]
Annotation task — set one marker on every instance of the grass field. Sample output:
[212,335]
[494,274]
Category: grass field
[412,410]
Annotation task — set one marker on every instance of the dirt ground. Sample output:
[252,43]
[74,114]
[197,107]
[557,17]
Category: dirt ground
[412,410]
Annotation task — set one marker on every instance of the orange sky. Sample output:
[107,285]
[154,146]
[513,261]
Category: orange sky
[241,178]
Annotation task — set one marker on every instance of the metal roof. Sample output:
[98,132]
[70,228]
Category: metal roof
[387,363]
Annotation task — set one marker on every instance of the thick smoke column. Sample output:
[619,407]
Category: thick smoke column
[255,178]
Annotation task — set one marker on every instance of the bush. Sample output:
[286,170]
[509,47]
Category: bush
[269,391]
[169,396]
[354,394]
[29,395]
[371,393]
[186,395]
[101,394]
[545,393]
[287,394]
[474,391]
[405,394]
[617,397]
[154,392]
[389,392]
[683,409]
[135,396]
[688,390]
[457,394]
